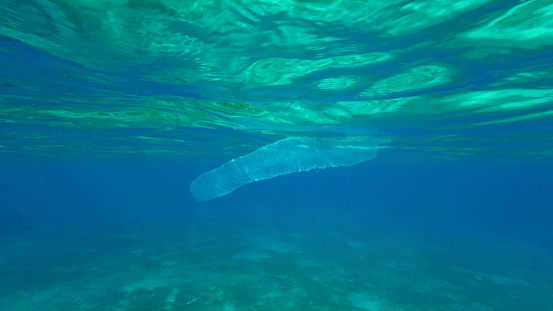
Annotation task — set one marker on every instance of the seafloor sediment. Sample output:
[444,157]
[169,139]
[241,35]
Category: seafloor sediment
[225,268]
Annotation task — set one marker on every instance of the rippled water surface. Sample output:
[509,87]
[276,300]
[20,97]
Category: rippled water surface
[157,76]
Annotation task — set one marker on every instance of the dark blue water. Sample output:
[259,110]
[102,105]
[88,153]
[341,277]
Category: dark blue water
[95,234]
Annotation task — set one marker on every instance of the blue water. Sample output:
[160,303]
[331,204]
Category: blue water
[110,234]
[110,110]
